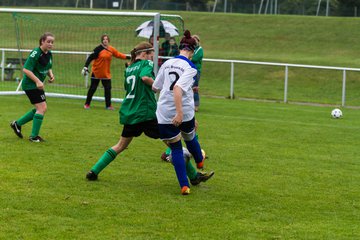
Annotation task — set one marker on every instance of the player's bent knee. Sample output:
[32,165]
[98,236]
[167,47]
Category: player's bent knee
[121,145]
[176,145]
[188,136]
[118,148]
[174,140]
[41,108]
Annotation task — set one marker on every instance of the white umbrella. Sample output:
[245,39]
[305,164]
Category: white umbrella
[146,29]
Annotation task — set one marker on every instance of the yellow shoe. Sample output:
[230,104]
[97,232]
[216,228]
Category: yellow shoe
[185,190]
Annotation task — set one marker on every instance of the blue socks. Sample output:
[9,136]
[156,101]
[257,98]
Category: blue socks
[179,163]
[194,148]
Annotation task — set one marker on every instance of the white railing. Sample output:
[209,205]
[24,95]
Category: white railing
[232,62]
[3,59]
[3,50]
[286,69]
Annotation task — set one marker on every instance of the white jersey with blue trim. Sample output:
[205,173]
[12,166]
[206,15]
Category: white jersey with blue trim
[179,71]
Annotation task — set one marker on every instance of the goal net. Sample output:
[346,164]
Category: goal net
[77,33]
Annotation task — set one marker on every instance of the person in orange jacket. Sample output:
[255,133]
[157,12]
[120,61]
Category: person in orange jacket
[101,57]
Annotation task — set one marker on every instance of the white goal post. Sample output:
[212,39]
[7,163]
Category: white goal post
[77,33]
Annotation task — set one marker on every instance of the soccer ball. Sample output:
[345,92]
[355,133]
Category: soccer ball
[187,155]
[336,113]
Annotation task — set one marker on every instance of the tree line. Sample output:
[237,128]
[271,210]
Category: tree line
[302,7]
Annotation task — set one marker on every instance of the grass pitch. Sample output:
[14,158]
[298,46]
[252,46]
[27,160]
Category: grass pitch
[282,172]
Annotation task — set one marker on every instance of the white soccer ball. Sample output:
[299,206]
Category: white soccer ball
[336,113]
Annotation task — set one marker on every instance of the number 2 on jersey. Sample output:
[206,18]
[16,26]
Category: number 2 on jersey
[130,80]
[176,79]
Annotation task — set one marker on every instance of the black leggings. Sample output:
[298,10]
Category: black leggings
[93,86]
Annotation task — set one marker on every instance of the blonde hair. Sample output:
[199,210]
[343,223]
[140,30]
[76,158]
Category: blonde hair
[197,38]
[141,47]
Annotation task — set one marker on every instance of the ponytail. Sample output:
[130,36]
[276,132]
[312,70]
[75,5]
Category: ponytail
[141,47]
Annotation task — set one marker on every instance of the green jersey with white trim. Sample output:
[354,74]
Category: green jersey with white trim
[139,104]
[39,63]
[198,57]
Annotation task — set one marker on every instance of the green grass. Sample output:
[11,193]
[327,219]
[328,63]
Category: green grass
[282,172]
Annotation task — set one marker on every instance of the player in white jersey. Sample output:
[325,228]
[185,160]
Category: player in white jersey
[175,108]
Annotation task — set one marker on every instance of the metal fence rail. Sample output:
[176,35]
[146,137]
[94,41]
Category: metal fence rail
[231,62]
[286,69]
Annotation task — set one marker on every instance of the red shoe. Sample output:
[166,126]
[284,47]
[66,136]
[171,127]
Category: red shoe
[185,190]
[200,165]
[110,108]
[87,106]
[165,157]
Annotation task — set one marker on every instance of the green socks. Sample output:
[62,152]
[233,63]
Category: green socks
[190,170]
[110,154]
[168,151]
[37,121]
[27,117]
[105,160]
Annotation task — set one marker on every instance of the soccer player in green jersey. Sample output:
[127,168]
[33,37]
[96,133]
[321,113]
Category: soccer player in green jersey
[197,60]
[37,66]
[137,112]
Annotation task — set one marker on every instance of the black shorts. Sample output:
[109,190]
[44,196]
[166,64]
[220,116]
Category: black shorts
[150,128]
[36,95]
